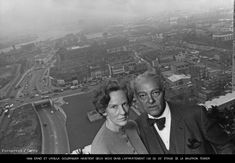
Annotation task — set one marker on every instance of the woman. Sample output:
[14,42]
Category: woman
[118,135]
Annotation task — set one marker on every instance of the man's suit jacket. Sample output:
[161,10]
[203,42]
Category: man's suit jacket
[191,129]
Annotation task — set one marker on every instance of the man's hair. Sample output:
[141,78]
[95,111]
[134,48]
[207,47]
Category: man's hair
[150,74]
[102,94]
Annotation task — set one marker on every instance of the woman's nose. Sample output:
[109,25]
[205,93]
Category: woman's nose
[123,110]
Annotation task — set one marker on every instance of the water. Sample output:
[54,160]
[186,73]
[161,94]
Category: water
[80,130]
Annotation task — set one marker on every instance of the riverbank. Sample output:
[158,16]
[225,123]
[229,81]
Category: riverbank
[80,130]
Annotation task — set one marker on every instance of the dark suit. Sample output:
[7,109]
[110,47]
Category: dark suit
[191,133]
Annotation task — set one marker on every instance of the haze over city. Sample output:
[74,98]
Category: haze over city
[33,16]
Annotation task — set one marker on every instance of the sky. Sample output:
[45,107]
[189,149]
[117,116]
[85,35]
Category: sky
[39,15]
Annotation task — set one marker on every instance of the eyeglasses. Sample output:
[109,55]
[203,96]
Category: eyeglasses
[143,96]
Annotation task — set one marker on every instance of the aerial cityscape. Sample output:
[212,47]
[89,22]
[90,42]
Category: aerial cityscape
[48,76]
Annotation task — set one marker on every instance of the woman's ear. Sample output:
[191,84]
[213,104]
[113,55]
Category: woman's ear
[104,114]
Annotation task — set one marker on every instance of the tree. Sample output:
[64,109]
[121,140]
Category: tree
[225,118]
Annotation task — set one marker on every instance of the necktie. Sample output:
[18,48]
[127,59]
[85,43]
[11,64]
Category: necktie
[160,122]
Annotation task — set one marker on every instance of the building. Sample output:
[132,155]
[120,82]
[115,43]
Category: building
[75,82]
[213,73]
[130,67]
[224,101]
[94,36]
[117,49]
[61,82]
[180,57]
[173,20]
[96,74]
[140,68]
[198,71]
[42,59]
[196,46]
[212,87]
[94,116]
[77,47]
[99,71]
[179,87]
[155,63]
[116,69]
[180,67]
[165,59]
[179,81]
[222,37]
[204,95]
[28,47]
[118,44]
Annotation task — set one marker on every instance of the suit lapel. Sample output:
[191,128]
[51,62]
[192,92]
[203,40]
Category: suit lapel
[177,134]
[150,139]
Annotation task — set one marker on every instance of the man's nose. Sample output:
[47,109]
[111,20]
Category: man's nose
[151,99]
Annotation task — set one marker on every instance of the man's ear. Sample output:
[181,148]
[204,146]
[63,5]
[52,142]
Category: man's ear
[163,93]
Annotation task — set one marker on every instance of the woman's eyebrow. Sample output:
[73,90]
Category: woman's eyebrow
[112,104]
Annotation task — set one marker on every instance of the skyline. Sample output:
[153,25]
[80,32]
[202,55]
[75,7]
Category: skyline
[33,16]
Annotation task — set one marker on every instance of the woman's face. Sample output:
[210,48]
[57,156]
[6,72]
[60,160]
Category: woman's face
[117,109]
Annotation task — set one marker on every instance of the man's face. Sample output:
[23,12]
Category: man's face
[118,109]
[150,96]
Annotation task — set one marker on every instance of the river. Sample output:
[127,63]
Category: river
[80,130]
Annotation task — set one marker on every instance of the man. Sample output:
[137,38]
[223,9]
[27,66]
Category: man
[178,129]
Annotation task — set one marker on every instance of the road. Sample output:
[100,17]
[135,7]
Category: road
[55,139]
[4,121]
[42,81]
[34,81]
[3,124]
[5,91]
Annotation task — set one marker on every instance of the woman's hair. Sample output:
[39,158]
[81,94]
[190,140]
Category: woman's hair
[102,94]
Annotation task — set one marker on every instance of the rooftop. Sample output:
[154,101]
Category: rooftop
[180,63]
[220,100]
[78,47]
[175,77]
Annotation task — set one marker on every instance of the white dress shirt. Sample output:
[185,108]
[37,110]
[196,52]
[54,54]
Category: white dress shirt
[165,132]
